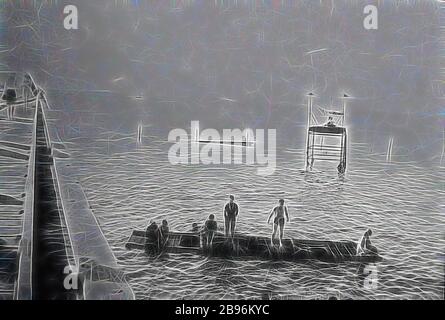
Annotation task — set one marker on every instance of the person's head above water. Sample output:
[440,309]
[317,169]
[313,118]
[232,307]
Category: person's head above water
[281,201]
[164,222]
[211,217]
[232,198]
[152,226]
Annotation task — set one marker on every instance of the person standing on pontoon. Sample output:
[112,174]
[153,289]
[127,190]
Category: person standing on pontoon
[281,213]
[209,230]
[230,215]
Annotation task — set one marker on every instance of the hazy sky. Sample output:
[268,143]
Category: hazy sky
[240,64]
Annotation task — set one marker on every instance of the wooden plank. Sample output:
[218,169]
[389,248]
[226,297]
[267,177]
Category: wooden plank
[87,239]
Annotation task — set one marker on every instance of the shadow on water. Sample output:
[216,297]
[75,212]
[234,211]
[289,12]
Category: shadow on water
[367,276]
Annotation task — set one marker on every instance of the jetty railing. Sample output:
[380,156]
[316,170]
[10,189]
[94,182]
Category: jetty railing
[23,287]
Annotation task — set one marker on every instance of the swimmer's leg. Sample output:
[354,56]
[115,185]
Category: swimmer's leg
[281,225]
[210,238]
[226,225]
[274,232]
[232,226]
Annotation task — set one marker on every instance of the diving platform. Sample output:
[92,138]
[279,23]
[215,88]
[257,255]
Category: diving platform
[326,138]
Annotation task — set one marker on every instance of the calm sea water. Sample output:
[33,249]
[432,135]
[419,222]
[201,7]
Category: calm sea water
[128,184]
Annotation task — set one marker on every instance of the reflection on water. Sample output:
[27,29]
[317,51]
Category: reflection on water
[367,276]
[128,184]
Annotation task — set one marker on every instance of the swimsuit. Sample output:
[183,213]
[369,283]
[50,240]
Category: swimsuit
[231,209]
[279,215]
[211,225]
[277,220]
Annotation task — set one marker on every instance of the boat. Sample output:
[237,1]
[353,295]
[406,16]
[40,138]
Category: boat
[256,247]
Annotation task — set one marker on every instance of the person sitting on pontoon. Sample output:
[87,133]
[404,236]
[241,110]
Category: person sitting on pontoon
[152,238]
[364,245]
[163,234]
[210,228]
[280,211]
[195,227]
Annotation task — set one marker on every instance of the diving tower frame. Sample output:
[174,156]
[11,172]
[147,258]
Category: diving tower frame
[319,134]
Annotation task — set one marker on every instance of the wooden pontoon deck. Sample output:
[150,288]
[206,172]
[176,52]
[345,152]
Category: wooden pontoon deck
[257,247]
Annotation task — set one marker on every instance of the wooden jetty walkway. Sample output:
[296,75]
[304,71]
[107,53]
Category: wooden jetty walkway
[48,232]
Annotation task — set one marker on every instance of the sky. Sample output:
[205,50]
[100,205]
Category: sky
[238,64]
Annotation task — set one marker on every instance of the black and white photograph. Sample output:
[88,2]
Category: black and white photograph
[222,150]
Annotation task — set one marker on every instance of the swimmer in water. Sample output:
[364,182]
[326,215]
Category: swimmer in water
[281,213]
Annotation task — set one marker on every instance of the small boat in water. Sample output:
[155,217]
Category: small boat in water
[257,247]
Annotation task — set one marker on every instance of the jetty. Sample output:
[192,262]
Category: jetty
[51,244]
